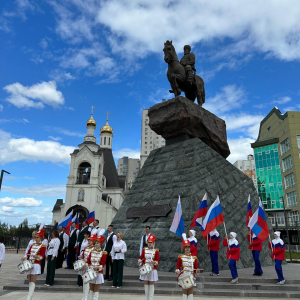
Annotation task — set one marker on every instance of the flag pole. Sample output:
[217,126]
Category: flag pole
[226,233]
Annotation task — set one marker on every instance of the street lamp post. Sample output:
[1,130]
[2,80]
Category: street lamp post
[286,228]
[1,178]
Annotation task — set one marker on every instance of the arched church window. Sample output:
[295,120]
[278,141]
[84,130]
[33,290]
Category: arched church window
[84,173]
[103,181]
[105,140]
[109,141]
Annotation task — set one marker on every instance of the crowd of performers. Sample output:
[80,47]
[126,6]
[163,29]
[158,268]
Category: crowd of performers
[97,251]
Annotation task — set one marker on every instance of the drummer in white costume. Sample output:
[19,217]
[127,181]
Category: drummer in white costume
[96,260]
[86,249]
[186,263]
[150,256]
[35,254]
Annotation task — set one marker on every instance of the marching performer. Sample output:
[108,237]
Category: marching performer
[96,260]
[277,253]
[193,241]
[86,247]
[255,244]
[150,256]
[213,245]
[187,263]
[233,254]
[35,254]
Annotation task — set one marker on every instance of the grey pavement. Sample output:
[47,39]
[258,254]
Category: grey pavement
[10,274]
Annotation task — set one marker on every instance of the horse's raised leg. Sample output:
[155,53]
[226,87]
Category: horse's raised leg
[176,89]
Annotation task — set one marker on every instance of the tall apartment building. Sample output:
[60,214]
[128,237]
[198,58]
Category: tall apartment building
[150,140]
[277,161]
[130,168]
[247,167]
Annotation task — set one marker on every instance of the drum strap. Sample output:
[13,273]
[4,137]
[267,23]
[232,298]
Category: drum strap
[37,250]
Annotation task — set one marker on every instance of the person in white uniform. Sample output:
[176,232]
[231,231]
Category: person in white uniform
[2,250]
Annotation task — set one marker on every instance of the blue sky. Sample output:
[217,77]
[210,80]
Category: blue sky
[58,58]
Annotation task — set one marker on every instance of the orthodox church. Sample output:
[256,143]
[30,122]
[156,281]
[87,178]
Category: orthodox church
[93,182]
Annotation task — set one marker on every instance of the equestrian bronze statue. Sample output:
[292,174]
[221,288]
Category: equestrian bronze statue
[182,75]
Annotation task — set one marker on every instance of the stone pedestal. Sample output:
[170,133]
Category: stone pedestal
[179,118]
[189,169]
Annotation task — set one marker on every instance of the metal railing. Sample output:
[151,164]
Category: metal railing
[294,248]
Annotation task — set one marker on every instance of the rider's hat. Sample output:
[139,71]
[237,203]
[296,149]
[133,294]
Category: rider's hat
[187,46]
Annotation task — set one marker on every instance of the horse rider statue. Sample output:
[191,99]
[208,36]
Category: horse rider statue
[188,60]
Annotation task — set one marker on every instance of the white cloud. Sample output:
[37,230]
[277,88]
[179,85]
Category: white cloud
[16,149]
[23,120]
[8,209]
[239,148]
[1,107]
[44,93]
[249,124]
[20,202]
[126,152]
[54,138]
[44,43]
[64,131]
[283,100]
[60,76]
[45,190]
[230,97]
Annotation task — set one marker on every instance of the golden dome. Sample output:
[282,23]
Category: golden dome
[106,128]
[91,122]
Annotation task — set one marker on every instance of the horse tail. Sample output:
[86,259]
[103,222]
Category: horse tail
[200,90]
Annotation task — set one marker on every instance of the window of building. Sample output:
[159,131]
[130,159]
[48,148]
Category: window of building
[272,219]
[289,180]
[298,140]
[280,219]
[150,142]
[285,146]
[291,199]
[150,147]
[145,152]
[105,140]
[83,173]
[294,218]
[109,141]
[268,129]
[241,168]
[287,163]
[145,138]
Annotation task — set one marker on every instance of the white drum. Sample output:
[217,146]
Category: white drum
[79,264]
[145,269]
[24,266]
[89,276]
[186,280]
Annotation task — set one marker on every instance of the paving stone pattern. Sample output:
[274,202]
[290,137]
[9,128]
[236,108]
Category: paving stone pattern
[188,169]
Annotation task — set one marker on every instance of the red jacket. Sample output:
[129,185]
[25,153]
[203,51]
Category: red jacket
[233,252]
[155,258]
[256,243]
[97,259]
[278,251]
[41,251]
[213,243]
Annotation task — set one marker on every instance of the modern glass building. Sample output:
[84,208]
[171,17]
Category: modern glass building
[277,162]
[269,180]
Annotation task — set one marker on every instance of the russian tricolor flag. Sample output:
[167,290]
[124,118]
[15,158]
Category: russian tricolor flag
[258,223]
[66,221]
[201,212]
[249,211]
[68,227]
[213,218]
[77,221]
[91,217]
[178,225]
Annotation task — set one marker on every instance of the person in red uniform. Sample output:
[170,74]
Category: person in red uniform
[96,260]
[35,254]
[149,256]
[233,254]
[187,263]
[277,253]
[255,244]
[213,245]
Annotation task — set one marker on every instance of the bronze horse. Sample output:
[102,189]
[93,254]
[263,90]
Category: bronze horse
[177,77]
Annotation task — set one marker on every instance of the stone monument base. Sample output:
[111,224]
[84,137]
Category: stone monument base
[189,169]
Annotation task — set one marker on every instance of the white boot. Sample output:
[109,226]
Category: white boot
[86,287]
[147,291]
[151,291]
[190,297]
[96,296]
[184,297]
[91,295]
[31,290]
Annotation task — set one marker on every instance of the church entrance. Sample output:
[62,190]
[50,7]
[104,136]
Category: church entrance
[81,210]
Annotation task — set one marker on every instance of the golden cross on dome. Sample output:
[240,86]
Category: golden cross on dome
[92,107]
[107,116]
